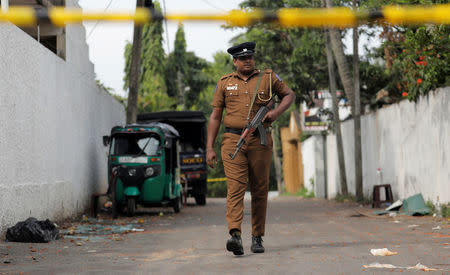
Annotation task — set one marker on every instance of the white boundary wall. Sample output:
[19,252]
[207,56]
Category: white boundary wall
[408,141]
[52,119]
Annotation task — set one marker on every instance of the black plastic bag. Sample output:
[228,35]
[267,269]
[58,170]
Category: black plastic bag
[33,231]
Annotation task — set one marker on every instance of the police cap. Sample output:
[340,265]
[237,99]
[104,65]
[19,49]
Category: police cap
[244,49]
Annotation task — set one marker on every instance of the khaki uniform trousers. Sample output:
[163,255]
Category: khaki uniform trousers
[250,166]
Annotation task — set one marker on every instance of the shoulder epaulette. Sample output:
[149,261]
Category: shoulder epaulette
[268,71]
[226,76]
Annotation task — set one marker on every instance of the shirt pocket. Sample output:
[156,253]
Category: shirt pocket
[263,97]
[231,95]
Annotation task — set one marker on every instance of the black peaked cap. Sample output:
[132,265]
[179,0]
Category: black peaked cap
[246,48]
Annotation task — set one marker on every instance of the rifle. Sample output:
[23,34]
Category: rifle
[255,124]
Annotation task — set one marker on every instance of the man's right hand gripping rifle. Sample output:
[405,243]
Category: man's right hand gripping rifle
[255,124]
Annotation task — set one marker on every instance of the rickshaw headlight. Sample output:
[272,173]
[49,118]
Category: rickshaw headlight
[149,171]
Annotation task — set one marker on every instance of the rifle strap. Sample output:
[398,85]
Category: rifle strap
[254,94]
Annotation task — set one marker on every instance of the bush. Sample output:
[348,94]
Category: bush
[217,189]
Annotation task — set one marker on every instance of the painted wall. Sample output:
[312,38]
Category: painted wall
[409,142]
[52,119]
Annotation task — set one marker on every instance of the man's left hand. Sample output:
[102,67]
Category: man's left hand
[271,116]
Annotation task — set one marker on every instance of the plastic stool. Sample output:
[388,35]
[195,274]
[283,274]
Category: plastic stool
[376,202]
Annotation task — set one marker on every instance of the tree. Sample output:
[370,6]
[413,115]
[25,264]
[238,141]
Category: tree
[152,87]
[133,70]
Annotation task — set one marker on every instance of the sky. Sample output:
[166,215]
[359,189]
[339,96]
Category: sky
[107,40]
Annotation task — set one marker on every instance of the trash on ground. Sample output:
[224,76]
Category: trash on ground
[418,266]
[33,231]
[436,228]
[415,205]
[137,230]
[395,206]
[92,251]
[392,214]
[378,265]
[79,244]
[382,252]
[413,226]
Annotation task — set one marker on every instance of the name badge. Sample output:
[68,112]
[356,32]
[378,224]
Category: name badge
[232,88]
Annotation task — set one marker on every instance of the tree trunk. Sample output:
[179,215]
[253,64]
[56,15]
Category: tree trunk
[135,66]
[341,61]
[357,115]
[337,121]
[276,158]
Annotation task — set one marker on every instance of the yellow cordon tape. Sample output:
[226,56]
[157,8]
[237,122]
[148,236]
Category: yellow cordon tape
[217,179]
[288,18]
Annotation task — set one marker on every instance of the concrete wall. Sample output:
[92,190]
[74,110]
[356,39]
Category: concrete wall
[52,118]
[409,142]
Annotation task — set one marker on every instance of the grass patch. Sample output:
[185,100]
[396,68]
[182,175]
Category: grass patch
[300,193]
[444,211]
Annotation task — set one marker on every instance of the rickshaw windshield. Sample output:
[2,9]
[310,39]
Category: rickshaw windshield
[136,144]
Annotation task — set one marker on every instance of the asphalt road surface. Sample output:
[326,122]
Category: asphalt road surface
[303,236]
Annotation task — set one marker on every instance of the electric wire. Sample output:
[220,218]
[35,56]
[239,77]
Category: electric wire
[212,5]
[98,21]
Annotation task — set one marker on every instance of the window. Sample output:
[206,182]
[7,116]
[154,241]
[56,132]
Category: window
[51,37]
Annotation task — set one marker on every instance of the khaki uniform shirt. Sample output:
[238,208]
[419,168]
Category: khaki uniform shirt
[235,95]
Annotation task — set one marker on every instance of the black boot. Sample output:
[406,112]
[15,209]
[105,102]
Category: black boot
[257,246]
[234,244]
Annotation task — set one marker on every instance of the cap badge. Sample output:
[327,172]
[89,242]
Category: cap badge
[244,50]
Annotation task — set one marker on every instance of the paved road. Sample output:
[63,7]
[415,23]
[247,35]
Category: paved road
[304,236]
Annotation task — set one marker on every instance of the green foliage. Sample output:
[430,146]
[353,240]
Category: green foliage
[423,63]
[217,189]
[303,192]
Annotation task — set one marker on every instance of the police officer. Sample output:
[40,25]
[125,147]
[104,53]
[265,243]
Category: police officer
[241,94]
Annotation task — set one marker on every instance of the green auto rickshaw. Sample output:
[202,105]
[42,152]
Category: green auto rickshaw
[143,167]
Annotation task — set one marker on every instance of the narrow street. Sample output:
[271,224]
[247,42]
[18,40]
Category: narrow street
[303,236]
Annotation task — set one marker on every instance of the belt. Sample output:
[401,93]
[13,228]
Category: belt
[239,131]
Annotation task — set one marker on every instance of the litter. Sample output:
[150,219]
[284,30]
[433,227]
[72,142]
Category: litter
[392,214]
[33,231]
[436,228]
[137,230]
[92,251]
[395,206]
[378,265]
[412,226]
[382,252]
[418,266]
[415,205]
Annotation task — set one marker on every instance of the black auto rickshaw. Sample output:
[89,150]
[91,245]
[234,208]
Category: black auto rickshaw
[143,167]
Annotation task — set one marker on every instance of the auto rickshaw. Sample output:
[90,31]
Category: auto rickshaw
[143,167]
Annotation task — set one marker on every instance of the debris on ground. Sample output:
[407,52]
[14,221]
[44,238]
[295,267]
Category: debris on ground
[382,252]
[418,266]
[413,226]
[33,231]
[436,228]
[415,205]
[395,206]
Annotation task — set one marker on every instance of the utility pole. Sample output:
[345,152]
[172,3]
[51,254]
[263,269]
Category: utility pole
[357,115]
[135,68]
[336,119]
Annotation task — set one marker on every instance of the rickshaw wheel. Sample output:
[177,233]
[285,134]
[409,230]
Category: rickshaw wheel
[177,205]
[131,206]
[200,199]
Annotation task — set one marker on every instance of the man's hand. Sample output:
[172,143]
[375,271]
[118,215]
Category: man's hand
[271,116]
[211,158]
